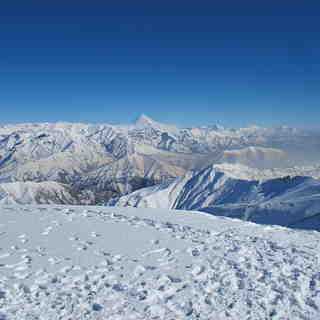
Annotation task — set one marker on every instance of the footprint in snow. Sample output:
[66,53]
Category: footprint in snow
[23,267]
[56,223]
[47,231]
[194,252]
[164,252]
[197,270]
[87,213]
[67,269]
[82,248]
[74,238]
[95,234]
[23,238]
[41,251]
[68,211]
[5,255]
[117,257]
[54,260]
[139,271]
[174,279]
[155,242]
[26,259]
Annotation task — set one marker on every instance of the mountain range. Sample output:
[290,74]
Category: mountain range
[94,163]
[108,262]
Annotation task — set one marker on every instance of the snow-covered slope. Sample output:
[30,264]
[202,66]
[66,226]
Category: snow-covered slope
[48,192]
[160,196]
[234,191]
[128,174]
[112,160]
[60,262]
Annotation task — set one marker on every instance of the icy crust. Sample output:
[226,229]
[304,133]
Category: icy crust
[112,263]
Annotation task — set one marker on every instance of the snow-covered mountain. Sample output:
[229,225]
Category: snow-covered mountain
[112,160]
[74,262]
[67,262]
[48,192]
[262,196]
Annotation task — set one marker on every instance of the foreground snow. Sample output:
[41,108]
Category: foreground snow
[119,263]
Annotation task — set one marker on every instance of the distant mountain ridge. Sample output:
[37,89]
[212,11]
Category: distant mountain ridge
[113,160]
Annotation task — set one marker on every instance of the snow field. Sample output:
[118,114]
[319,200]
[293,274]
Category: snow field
[63,262]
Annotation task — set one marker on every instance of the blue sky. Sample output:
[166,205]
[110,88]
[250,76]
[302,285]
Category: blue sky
[199,63]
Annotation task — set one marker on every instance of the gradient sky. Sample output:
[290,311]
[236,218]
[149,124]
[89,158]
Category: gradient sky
[190,63]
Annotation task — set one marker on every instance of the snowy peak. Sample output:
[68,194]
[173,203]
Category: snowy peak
[144,120]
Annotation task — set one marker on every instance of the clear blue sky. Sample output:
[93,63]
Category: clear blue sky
[182,62]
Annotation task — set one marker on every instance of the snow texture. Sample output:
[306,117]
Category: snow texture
[60,262]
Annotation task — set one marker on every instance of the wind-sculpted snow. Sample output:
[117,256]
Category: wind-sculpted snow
[240,192]
[113,160]
[109,263]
